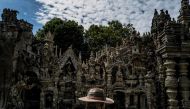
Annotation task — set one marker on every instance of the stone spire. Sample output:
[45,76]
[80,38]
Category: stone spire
[154,21]
[155,16]
[155,12]
[168,15]
[162,15]
[9,15]
[80,56]
[184,16]
[49,40]
[184,3]
[92,58]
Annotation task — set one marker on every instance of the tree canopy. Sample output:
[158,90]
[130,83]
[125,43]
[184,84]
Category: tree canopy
[111,35]
[67,32]
[49,26]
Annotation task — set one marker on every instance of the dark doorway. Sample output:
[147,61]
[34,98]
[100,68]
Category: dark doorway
[65,104]
[114,71]
[69,71]
[132,100]
[31,94]
[119,100]
[139,102]
[49,100]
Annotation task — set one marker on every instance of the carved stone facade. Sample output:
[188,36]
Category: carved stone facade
[172,41]
[150,72]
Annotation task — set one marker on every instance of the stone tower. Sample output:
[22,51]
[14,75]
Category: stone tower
[184,16]
[15,45]
[173,53]
[149,72]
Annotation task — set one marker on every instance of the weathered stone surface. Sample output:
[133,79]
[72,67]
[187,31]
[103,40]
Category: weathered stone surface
[138,74]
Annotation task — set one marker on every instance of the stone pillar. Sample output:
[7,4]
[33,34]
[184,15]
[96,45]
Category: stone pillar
[149,85]
[142,101]
[184,84]
[55,99]
[136,100]
[109,84]
[141,82]
[162,86]
[171,84]
[42,100]
[127,101]
[109,81]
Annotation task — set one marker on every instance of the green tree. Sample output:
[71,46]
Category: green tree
[49,26]
[52,24]
[65,33]
[111,35]
[69,33]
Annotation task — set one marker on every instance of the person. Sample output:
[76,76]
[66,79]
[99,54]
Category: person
[96,99]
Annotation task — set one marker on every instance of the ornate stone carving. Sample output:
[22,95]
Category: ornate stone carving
[171,84]
[184,83]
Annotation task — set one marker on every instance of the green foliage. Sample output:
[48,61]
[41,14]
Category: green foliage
[52,24]
[69,33]
[49,26]
[66,33]
[39,35]
[111,35]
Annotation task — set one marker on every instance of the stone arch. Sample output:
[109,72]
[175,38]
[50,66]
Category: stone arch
[113,73]
[114,69]
[69,54]
[69,69]
[119,98]
[142,101]
[31,92]
[48,99]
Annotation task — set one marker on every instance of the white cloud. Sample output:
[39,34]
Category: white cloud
[87,12]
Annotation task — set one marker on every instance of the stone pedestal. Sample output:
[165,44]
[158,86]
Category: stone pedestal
[184,84]
[171,84]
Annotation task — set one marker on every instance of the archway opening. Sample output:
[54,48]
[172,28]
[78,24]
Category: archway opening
[119,98]
[31,92]
[49,100]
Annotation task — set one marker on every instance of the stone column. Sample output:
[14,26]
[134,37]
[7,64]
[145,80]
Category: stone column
[149,85]
[162,86]
[109,81]
[136,100]
[142,101]
[42,100]
[55,98]
[109,84]
[127,101]
[184,84]
[171,84]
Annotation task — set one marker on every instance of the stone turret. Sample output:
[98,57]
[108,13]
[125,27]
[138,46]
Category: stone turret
[184,3]
[9,15]
[16,57]
[154,22]
[184,16]
[159,21]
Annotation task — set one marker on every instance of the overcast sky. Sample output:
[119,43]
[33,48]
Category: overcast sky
[87,12]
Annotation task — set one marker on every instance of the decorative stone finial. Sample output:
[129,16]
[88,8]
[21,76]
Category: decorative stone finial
[9,15]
